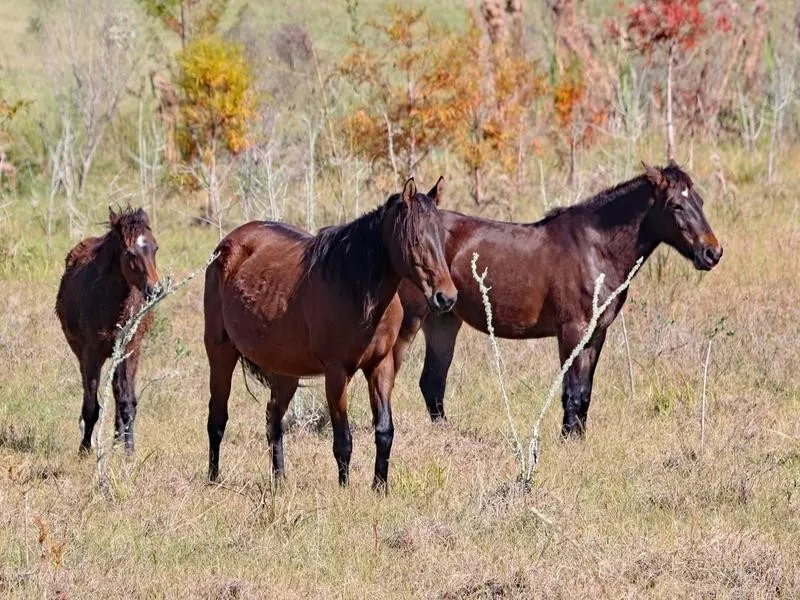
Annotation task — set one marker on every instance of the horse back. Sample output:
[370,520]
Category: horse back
[81,254]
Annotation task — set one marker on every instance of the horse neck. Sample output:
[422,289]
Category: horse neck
[387,284]
[108,261]
[622,222]
[377,279]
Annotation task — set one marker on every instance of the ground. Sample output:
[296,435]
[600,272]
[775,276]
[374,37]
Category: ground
[643,507]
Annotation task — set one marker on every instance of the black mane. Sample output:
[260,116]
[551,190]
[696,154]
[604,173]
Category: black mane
[630,189]
[354,256]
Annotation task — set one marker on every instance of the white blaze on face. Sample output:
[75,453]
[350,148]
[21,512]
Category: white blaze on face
[685,192]
[141,242]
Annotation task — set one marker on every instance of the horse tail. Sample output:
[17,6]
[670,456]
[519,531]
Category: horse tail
[212,307]
[260,374]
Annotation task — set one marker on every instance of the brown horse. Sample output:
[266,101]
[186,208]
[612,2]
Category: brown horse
[542,276]
[293,305]
[105,281]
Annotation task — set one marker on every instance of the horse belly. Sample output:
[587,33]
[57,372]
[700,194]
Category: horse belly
[272,334]
[518,311]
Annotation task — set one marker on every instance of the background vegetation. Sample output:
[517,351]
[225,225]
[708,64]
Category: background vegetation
[212,112]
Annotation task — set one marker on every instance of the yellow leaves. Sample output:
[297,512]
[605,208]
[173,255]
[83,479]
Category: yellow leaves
[218,104]
[401,28]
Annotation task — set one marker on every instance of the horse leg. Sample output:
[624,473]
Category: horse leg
[381,381]
[336,380]
[282,390]
[440,342]
[221,361]
[415,310]
[126,401]
[91,364]
[594,350]
[577,386]
[408,331]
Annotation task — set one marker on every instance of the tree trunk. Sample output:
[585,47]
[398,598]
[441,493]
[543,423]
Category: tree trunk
[477,186]
[797,23]
[514,8]
[493,14]
[184,26]
[670,124]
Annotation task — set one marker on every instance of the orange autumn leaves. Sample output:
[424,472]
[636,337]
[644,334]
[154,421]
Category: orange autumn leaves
[424,88]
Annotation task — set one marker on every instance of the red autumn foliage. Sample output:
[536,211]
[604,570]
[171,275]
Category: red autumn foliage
[655,23]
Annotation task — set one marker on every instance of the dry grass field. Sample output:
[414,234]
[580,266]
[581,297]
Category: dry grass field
[651,504]
[640,508]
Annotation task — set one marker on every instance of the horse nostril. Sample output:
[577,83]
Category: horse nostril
[712,255]
[442,302]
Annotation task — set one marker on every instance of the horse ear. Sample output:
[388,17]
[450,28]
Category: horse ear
[409,191]
[140,214]
[113,218]
[655,175]
[436,191]
[672,163]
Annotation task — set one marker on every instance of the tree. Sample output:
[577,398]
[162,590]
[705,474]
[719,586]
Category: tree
[479,93]
[393,122]
[457,90]
[217,106]
[92,50]
[187,18]
[666,26]
[8,112]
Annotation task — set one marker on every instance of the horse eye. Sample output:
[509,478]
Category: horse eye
[130,252]
[677,207]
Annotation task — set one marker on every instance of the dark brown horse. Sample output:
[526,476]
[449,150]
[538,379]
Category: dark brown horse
[542,276]
[294,305]
[105,281]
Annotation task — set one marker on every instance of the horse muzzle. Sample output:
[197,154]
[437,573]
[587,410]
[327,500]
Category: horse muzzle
[151,289]
[442,303]
[707,256]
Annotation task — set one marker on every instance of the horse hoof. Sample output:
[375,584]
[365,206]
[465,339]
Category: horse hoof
[438,418]
[380,487]
[84,451]
[575,432]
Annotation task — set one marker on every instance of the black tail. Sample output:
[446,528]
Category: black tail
[263,377]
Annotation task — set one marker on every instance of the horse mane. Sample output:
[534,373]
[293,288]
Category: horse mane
[354,256]
[623,190]
[130,222]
